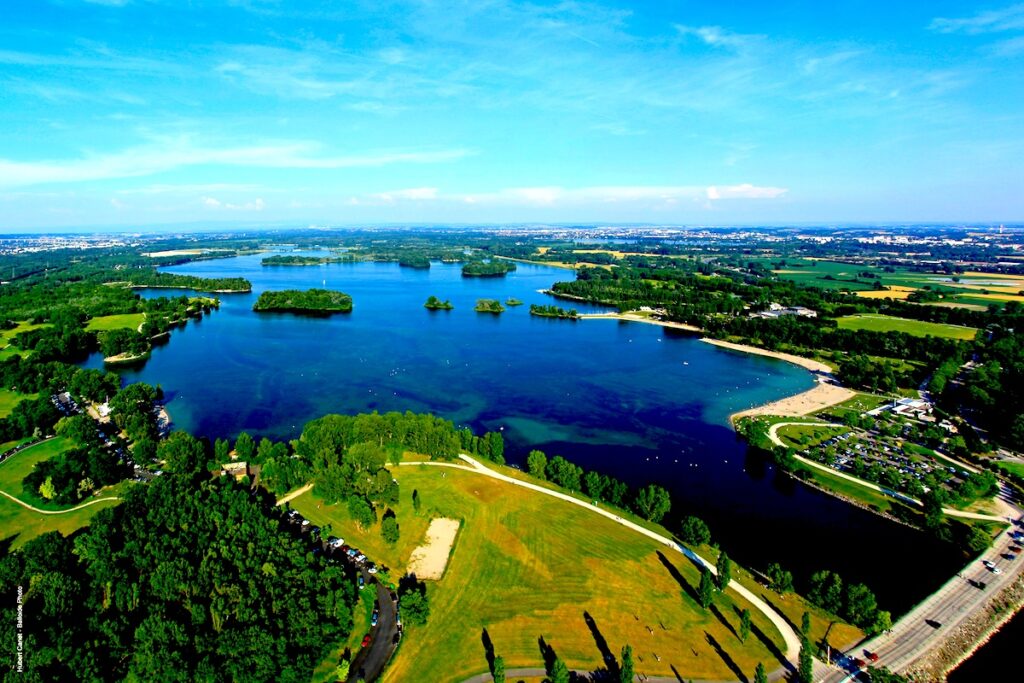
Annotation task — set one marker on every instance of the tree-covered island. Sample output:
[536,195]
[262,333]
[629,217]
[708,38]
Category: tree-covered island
[553,312]
[435,304]
[310,301]
[488,306]
[492,268]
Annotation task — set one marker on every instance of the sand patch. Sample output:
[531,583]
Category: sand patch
[430,559]
[821,396]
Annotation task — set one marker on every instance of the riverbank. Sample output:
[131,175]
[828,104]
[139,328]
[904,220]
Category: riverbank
[814,366]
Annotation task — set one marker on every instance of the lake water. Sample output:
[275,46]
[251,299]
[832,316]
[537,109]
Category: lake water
[637,401]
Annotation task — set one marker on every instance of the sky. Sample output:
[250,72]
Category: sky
[138,113]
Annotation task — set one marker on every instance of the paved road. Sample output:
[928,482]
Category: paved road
[924,627]
[788,634]
[773,435]
[370,661]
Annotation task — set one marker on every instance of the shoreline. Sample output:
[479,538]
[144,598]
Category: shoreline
[995,627]
[824,394]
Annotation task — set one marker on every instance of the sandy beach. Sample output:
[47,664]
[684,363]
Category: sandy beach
[822,395]
[638,319]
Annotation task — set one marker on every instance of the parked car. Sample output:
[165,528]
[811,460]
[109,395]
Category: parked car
[361,582]
[872,656]
[372,569]
[366,640]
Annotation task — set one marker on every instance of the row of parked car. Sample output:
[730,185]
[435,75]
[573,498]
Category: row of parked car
[333,545]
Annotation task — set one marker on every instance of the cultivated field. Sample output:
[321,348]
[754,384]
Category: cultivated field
[886,323]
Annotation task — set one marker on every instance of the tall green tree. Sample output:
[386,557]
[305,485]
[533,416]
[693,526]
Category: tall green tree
[626,672]
[760,675]
[559,672]
[806,669]
[805,624]
[498,667]
[537,464]
[706,590]
[724,569]
[744,625]
[245,447]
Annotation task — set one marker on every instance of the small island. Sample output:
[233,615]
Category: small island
[414,261]
[435,304]
[310,302]
[492,268]
[553,312]
[296,260]
[488,306]
[512,301]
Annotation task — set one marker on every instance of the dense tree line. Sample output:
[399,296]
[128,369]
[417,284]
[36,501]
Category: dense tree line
[153,278]
[315,301]
[651,502]
[185,580]
[493,268]
[553,312]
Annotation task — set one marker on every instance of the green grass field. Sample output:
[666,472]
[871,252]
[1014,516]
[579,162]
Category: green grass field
[9,399]
[861,403]
[6,348]
[806,436]
[24,524]
[1012,467]
[885,323]
[826,274]
[528,566]
[116,322]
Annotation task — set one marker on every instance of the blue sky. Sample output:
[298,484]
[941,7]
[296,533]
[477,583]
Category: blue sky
[131,113]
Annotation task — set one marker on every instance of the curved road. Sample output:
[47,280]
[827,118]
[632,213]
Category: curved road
[773,435]
[788,634]
[55,512]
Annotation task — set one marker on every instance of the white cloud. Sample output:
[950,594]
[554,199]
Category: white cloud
[256,205]
[744,191]
[554,195]
[117,204]
[414,193]
[716,36]
[1007,19]
[143,161]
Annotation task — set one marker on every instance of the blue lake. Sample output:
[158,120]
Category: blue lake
[641,402]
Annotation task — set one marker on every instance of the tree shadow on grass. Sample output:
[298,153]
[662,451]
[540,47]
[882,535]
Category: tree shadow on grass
[729,662]
[725,622]
[547,653]
[771,647]
[679,676]
[674,571]
[607,657]
[485,639]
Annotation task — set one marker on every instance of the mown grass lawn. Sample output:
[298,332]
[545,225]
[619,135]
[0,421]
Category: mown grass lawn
[526,566]
[9,399]
[116,322]
[918,328]
[806,436]
[24,524]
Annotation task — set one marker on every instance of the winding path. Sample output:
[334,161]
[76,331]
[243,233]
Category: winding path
[56,512]
[788,634]
[773,435]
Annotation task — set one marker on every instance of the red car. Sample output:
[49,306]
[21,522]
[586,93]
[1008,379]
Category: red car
[873,656]
[366,640]
[859,663]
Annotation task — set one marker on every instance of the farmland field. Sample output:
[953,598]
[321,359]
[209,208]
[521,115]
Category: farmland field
[885,323]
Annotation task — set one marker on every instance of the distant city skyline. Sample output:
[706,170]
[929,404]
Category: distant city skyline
[130,114]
